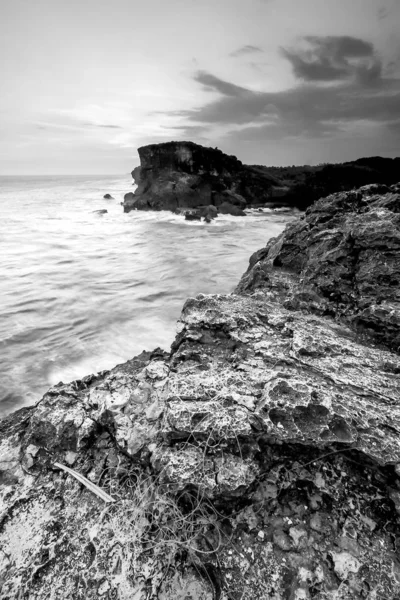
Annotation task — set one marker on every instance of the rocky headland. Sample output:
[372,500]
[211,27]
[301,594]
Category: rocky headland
[178,176]
[259,458]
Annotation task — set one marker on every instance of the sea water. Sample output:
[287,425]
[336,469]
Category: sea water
[81,292]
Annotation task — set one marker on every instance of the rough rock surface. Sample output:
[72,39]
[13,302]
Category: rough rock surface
[345,252]
[259,459]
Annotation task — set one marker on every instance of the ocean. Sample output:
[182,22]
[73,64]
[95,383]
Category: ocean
[81,292]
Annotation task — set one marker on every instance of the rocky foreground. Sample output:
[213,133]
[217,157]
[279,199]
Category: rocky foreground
[259,459]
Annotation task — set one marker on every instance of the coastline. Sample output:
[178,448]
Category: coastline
[83,292]
[241,462]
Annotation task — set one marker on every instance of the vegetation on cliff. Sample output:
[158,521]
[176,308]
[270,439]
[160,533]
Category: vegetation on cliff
[306,184]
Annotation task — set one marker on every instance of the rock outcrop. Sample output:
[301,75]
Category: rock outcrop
[173,175]
[177,175]
[260,458]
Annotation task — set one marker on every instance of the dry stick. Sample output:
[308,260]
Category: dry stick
[90,486]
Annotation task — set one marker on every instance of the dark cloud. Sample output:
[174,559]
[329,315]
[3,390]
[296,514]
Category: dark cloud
[212,83]
[341,85]
[334,58]
[244,50]
[304,103]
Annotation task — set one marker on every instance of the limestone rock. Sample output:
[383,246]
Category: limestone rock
[344,255]
[257,459]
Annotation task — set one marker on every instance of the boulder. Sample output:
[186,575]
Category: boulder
[230,209]
[108,197]
[230,198]
[129,197]
[209,212]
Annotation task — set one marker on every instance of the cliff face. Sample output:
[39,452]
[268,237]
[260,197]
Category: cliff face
[260,458]
[185,175]
[177,175]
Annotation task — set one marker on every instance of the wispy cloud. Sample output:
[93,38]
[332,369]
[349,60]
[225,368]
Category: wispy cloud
[212,83]
[107,126]
[245,50]
[382,13]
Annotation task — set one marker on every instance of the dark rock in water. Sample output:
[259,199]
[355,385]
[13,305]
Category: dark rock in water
[108,197]
[229,198]
[209,212]
[184,174]
[196,214]
[102,211]
[129,197]
[260,458]
[192,216]
[230,209]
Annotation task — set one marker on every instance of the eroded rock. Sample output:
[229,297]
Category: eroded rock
[173,175]
[258,459]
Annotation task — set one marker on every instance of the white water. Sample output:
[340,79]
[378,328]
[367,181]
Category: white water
[80,292]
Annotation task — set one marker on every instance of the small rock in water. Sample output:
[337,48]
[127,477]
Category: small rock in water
[102,211]
[209,212]
[192,216]
[108,197]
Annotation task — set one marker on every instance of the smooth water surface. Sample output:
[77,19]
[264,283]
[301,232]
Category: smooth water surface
[81,292]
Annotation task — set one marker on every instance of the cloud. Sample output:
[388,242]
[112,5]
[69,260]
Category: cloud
[107,126]
[306,102]
[100,125]
[212,83]
[244,50]
[341,87]
[382,13]
[334,58]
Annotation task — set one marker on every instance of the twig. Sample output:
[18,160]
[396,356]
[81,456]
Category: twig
[90,486]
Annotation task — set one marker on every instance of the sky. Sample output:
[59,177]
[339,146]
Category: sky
[275,82]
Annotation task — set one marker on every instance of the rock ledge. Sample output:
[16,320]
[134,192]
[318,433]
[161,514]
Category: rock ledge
[260,458]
